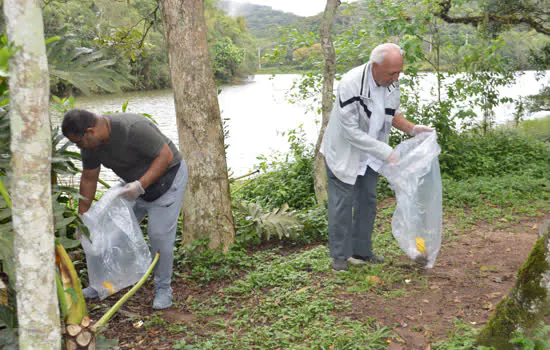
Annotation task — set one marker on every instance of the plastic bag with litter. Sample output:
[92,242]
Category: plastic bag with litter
[417,222]
[117,255]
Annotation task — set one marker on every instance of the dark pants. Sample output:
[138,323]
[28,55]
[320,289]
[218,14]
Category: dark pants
[351,214]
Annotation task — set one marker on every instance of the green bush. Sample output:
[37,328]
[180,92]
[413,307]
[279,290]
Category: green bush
[499,152]
[538,128]
[502,191]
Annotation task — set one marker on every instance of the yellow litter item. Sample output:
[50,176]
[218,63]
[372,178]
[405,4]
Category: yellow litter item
[109,287]
[420,244]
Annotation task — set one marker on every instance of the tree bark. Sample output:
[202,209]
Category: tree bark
[207,205]
[37,308]
[320,176]
[527,303]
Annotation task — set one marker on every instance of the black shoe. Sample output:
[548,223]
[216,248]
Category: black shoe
[339,265]
[360,260]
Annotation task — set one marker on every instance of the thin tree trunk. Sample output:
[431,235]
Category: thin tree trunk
[37,307]
[207,205]
[320,176]
[528,301]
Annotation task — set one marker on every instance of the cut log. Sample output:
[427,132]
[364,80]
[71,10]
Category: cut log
[85,322]
[527,303]
[70,344]
[84,338]
[73,329]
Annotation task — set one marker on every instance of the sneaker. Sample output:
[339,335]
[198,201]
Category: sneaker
[90,293]
[361,260]
[163,298]
[339,265]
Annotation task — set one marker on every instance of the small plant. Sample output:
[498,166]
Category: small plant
[539,340]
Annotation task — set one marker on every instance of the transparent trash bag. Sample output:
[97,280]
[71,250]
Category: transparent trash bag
[117,255]
[417,222]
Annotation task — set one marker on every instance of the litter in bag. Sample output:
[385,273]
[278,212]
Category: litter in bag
[117,255]
[417,222]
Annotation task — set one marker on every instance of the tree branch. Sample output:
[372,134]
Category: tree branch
[532,22]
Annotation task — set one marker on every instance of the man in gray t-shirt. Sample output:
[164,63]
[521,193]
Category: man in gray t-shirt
[153,169]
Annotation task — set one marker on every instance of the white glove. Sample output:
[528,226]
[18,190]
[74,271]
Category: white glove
[418,129]
[132,190]
[393,158]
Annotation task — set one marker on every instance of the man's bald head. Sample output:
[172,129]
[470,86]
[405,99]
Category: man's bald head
[387,63]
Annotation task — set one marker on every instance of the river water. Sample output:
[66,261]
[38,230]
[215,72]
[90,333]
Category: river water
[258,112]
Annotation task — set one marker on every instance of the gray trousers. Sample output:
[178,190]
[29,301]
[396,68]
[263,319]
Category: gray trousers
[351,214]
[162,215]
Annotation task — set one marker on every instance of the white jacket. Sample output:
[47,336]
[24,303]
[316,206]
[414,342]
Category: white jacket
[346,136]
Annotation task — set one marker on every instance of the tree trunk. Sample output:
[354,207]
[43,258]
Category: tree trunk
[207,205]
[528,301]
[37,307]
[320,176]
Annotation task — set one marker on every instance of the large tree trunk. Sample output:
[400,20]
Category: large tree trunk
[37,307]
[207,205]
[320,176]
[527,303]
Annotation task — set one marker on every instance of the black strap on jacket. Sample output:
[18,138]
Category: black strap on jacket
[356,99]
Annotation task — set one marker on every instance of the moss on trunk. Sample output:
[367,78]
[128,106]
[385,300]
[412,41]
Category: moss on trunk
[526,304]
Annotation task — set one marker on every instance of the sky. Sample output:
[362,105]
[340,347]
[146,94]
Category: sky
[298,7]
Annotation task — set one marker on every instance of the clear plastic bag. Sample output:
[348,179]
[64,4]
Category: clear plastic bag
[117,255]
[417,222]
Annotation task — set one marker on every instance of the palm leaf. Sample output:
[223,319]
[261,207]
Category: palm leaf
[280,221]
[82,67]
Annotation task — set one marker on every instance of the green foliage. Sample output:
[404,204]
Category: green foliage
[462,338]
[498,153]
[503,191]
[539,340]
[199,263]
[314,224]
[540,101]
[81,67]
[286,178]
[278,222]
[284,301]
[134,44]
[538,129]
[226,59]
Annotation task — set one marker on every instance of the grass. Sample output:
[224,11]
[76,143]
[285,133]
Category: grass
[289,302]
[286,302]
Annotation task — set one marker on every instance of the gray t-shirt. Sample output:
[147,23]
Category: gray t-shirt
[134,143]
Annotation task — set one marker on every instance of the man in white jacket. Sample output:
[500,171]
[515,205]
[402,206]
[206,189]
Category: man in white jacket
[355,145]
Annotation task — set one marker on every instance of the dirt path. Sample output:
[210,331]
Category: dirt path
[472,273]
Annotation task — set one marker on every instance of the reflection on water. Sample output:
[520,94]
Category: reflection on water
[257,112]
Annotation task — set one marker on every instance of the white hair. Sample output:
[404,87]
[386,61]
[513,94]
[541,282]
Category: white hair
[381,51]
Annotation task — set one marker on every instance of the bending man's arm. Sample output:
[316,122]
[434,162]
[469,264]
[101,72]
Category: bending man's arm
[88,186]
[158,167]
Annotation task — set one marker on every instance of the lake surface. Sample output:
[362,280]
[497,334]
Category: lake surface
[258,112]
